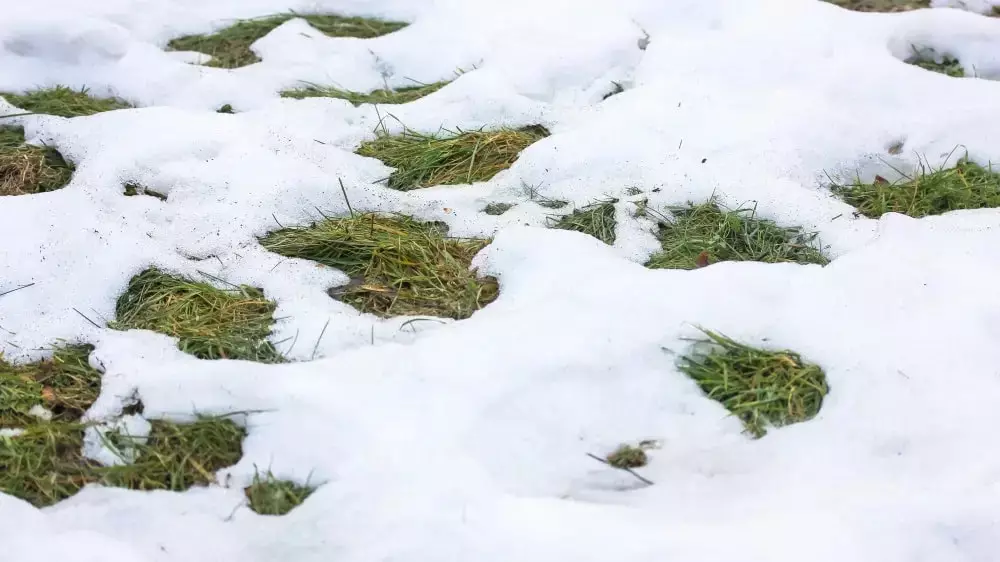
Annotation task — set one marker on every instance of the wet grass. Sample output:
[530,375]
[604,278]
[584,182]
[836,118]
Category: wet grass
[881,5]
[497,209]
[270,496]
[381,96]
[451,157]
[596,219]
[967,185]
[64,385]
[398,266]
[695,236]
[230,47]
[26,169]
[762,388]
[929,59]
[64,102]
[209,322]
[628,456]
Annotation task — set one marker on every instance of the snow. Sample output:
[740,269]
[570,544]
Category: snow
[468,440]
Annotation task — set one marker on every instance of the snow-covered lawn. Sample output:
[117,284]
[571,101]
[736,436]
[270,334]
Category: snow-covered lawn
[494,350]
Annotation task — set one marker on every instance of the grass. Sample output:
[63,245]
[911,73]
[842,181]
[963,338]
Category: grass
[64,102]
[881,5]
[965,186]
[762,388]
[26,169]
[209,322]
[423,160]
[230,47]
[700,235]
[44,464]
[381,96]
[497,209]
[928,59]
[270,496]
[65,385]
[627,456]
[132,189]
[398,266]
[596,219]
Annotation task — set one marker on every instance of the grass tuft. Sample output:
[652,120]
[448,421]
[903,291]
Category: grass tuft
[230,47]
[381,96]
[497,209]
[398,266]
[596,219]
[762,388]
[423,160]
[700,235]
[627,456]
[132,189]
[270,496]
[227,109]
[65,385]
[26,169]
[928,59]
[44,464]
[210,323]
[881,5]
[965,186]
[64,102]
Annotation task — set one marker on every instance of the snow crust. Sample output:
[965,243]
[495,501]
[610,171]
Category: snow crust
[467,440]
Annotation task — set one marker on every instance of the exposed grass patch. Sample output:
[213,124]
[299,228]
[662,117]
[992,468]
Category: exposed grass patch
[628,456]
[270,496]
[929,59]
[132,189]
[65,385]
[965,186]
[381,96]
[398,266]
[230,47]
[497,209]
[209,322]
[596,219]
[881,5]
[762,388]
[64,102]
[227,109]
[44,464]
[26,169]
[700,235]
[423,160]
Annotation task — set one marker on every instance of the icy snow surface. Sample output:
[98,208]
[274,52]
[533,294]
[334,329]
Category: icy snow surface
[466,441]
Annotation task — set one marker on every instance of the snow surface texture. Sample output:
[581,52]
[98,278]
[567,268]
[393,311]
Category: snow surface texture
[467,441]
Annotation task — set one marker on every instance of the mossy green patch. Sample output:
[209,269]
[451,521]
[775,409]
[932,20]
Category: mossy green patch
[270,496]
[497,209]
[628,456]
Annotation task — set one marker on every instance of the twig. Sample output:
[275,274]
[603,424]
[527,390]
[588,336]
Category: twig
[16,289]
[626,469]
[344,191]
[319,339]
[96,325]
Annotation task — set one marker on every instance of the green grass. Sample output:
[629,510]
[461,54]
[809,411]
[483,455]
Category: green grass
[65,384]
[596,219]
[700,235]
[627,456]
[209,322]
[382,96]
[132,189]
[398,266]
[497,209]
[448,158]
[762,388]
[26,169]
[928,59]
[881,5]
[227,109]
[270,496]
[230,47]
[44,465]
[965,186]
[64,102]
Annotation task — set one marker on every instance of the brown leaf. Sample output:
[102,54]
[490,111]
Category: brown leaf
[879,180]
[702,260]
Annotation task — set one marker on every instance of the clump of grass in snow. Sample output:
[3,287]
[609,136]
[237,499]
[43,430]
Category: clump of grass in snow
[762,388]
[132,189]
[209,322]
[398,266]
[65,385]
[26,169]
[596,219]
[699,235]
[497,209]
[64,102]
[423,160]
[230,47]
[270,496]
[44,464]
[627,456]
[381,96]
[881,5]
[928,59]
[965,186]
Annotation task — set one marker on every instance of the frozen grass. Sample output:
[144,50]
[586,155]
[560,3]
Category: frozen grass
[699,235]
[596,219]
[270,496]
[26,169]
[628,456]
[497,209]
[209,322]
[965,186]
[132,189]
[762,388]
[383,96]
[64,102]
[230,47]
[44,464]
[423,160]
[398,266]
[881,5]
[65,385]
[929,59]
